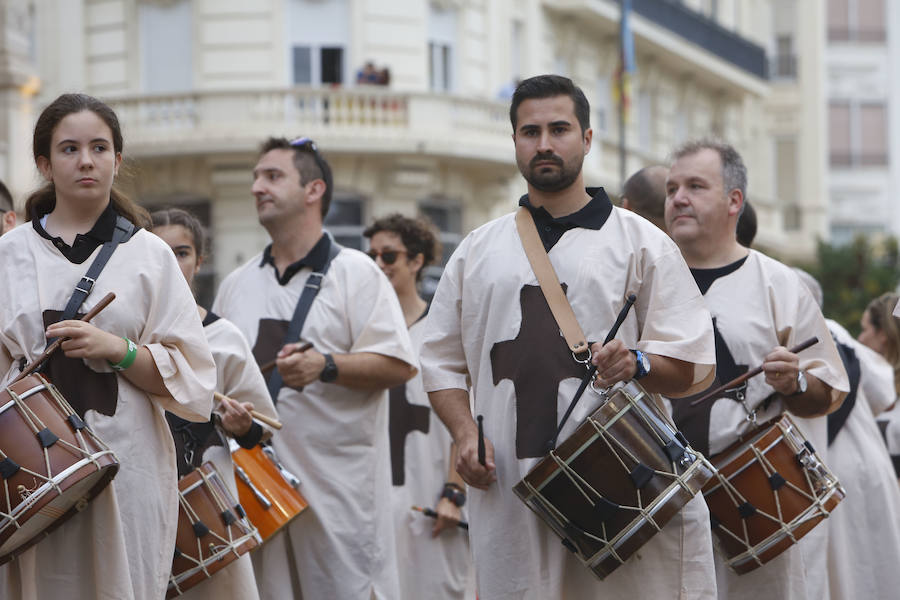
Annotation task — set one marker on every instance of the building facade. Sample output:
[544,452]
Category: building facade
[864,131]
[198,84]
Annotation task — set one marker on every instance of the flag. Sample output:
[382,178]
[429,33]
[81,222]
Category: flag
[626,69]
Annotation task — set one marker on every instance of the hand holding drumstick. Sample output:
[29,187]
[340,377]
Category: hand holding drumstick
[236,418]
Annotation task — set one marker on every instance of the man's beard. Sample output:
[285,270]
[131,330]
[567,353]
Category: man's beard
[554,180]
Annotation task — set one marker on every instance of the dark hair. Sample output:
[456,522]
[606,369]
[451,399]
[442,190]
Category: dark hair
[547,86]
[646,194]
[734,172]
[43,200]
[418,235]
[746,225]
[881,317]
[6,199]
[306,165]
[178,216]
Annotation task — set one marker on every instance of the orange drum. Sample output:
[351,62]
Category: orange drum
[616,481]
[267,492]
[212,530]
[770,490]
[51,464]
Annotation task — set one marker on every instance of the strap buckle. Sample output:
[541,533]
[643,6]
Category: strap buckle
[318,281]
[87,282]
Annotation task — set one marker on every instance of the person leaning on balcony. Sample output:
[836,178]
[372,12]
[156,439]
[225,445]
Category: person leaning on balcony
[760,307]
[487,330]
[333,401]
[7,210]
[645,193]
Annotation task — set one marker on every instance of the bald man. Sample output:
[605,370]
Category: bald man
[645,194]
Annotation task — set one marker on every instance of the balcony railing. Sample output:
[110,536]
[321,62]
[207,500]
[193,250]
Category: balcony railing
[343,120]
[704,32]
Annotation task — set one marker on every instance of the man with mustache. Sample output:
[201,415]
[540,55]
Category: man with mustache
[760,308]
[489,330]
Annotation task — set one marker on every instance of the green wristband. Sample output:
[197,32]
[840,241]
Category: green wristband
[128,360]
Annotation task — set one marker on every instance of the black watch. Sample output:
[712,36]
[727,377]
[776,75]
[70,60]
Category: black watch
[454,495]
[643,364]
[329,371]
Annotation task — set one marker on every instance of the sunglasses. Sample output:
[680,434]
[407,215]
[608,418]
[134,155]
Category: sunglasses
[388,257]
[307,145]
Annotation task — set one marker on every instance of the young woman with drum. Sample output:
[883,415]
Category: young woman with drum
[241,386]
[422,454]
[143,355]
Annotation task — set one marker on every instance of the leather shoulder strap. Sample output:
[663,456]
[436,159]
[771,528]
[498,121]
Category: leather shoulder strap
[550,286]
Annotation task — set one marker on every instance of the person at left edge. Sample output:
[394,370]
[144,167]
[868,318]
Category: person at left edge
[334,399]
[120,545]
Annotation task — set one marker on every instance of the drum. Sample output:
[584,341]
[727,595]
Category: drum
[266,490]
[770,490]
[616,481]
[51,464]
[213,530]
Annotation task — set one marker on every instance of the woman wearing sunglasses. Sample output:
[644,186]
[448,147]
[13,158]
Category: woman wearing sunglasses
[432,555]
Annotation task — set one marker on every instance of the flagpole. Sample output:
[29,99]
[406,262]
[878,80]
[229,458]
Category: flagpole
[622,91]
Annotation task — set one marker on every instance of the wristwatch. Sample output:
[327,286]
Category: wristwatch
[454,494]
[802,384]
[643,364]
[329,371]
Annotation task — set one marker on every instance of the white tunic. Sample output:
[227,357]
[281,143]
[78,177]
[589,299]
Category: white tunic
[335,438]
[478,311]
[121,545]
[239,378]
[864,531]
[429,567]
[761,305]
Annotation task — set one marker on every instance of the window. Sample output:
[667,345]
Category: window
[166,46]
[786,167]
[345,219]
[856,20]
[447,217]
[603,105]
[785,63]
[441,49]
[858,133]
[318,34]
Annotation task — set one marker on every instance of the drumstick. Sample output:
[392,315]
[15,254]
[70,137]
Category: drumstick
[430,513]
[28,370]
[481,459]
[629,302]
[256,415]
[271,364]
[739,380]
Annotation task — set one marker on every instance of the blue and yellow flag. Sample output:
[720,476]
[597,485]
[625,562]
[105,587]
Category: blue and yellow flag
[626,68]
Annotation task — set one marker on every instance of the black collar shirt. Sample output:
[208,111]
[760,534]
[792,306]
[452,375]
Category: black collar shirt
[592,215]
[85,243]
[315,259]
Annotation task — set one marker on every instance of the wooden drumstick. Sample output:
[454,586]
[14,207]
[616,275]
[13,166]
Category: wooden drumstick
[29,369]
[741,379]
[481,459]
[430,513]
[271,364]
[256,415]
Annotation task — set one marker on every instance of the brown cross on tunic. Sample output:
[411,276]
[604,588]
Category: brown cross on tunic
[535,361]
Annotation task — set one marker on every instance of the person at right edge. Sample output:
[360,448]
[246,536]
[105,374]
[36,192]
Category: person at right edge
[760,308]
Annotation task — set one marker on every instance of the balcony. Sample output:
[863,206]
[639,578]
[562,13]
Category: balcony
[341,120]
[704,32]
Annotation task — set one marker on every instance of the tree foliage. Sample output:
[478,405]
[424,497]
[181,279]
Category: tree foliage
[853,274]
